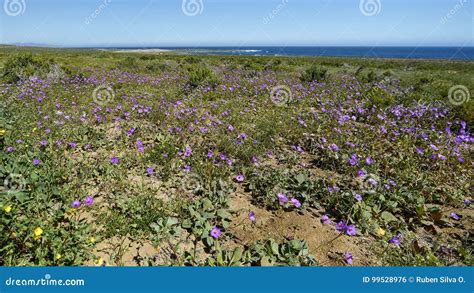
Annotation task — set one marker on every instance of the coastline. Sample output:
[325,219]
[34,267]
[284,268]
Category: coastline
[465,54]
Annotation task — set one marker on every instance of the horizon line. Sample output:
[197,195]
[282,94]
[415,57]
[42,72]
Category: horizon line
[228,45]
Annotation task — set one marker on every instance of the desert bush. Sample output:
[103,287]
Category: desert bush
[129,62]
[314,73]
[25,65]
[201,76]
[380,98]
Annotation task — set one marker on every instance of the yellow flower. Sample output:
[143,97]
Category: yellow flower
[99,261]
[58,256]
[92,239]
[2,132]
[38,231]
[7,208]
[34,129]
[380,232]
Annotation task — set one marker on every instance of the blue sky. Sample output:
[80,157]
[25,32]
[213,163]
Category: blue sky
[238,23]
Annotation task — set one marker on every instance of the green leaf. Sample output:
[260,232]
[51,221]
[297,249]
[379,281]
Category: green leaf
[266,262]
[236,256]
[274,247]
[186,224]
[171,221]
[206,204]
[220,260]
[388,217]
[224,214]
[301,178]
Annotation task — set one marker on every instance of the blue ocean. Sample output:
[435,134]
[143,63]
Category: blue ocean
[451,53]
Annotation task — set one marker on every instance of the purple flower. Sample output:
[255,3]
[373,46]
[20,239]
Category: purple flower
[361,173]
[44,142]
[216,232]
[88,201]
[140,146]
[114,160]
[296,203]
[467,201]
[188,152]
[344,228]
[348,257]
[419,150]
[255,160]
[75,204]
[372,181]
[353,160]
[252,216]
[369,160]
[150,171]
[36,162]
[9,149]
[326,219]
[351,230]
[72,144]
[210,154]
[394,240]
[230,128]
[282,198]
[454,216]
[222,156]
[341,226]
[333,147]
[358,197]
[334,188]
[239,178]
[130,131]
[186,168]
[434,147]
[242,136]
